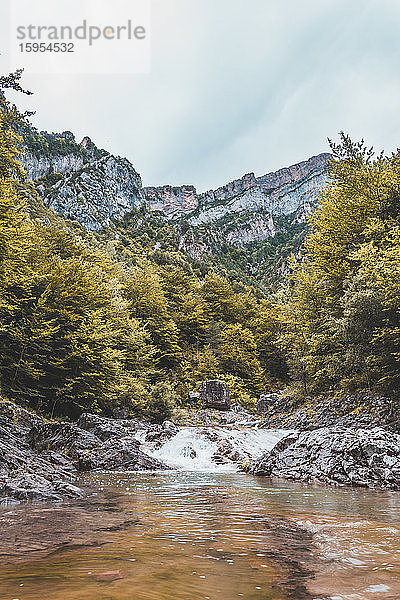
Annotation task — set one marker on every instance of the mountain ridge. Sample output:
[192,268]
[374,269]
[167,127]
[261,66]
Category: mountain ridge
[272,191]
[96,188]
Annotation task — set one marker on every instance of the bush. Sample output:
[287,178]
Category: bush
[161,402]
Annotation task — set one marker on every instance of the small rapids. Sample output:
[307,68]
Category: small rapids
[198,448]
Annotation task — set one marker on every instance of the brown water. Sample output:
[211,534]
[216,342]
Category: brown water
[207,536]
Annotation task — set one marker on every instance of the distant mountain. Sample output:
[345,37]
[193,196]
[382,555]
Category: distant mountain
[259,216]
[80,181]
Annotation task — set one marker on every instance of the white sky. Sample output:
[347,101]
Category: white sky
[238,86]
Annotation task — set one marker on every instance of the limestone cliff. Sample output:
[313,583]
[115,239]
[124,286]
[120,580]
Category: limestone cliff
[82,182]
[245,209]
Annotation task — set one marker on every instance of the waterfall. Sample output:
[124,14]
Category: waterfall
[214,449]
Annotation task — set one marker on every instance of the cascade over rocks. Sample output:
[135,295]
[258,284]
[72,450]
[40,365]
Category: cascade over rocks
[41,460]
[335,455]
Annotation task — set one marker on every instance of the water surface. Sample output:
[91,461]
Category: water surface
[216,536]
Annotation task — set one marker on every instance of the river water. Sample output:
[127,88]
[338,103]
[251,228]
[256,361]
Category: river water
[207,533]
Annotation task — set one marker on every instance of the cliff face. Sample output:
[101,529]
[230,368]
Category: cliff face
[40,166]
[172,201]
[245,210]
[98,192]
[81,182]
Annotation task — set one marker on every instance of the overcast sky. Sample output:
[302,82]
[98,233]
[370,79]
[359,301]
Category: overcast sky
[238,86]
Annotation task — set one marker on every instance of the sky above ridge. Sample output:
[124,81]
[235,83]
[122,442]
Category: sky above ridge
[238,86]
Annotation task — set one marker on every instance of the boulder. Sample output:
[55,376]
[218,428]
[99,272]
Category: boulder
[159,434]
[105,428]
[265,402]
[335,455]
[215,394]
[227,453]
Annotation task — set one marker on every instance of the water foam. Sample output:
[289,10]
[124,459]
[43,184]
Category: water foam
[192,448]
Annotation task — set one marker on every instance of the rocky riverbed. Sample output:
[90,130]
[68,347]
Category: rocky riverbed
[42,460]
[335,456]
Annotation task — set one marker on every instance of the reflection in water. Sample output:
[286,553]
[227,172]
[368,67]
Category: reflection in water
[221,536]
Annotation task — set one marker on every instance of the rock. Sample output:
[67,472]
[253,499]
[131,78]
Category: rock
[9,501]
[39,166]
[266,402]
[122,455]
[68,439]
[357,410]
[172,201]
[116,449]
[215,394]
[105,428]
[226,453]
[296,187]
[40,460]
[194,398]
[335,455]
[25,474]
[34,487]
[44,530]
[159,434]
[189,452]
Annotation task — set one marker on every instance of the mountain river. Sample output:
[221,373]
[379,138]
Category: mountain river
[203,532]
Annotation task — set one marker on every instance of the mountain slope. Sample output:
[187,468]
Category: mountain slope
[234,225]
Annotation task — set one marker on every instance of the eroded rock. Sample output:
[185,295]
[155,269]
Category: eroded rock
[24,473]
[105,428]
[336,455]
[40,460]
[159,434]
[215,394]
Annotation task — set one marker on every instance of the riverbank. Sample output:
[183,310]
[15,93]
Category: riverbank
[42,460]
[364,409]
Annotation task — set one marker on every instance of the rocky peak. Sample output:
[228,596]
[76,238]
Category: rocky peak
[281,192]
[89,147]
[233,188]
[292,174]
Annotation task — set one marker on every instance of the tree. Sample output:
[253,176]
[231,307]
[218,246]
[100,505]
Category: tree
[344,300]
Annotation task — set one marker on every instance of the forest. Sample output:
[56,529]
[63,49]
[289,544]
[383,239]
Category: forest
[101,323]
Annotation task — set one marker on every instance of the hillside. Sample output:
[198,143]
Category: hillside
[109,305]
[247,228]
